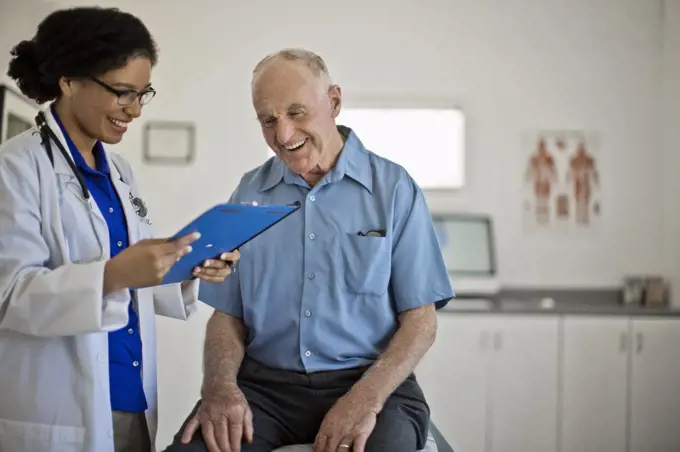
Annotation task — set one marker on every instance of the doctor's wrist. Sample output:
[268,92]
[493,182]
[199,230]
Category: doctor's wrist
[112,282]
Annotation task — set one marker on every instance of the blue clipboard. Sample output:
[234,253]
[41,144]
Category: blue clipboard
[225,228]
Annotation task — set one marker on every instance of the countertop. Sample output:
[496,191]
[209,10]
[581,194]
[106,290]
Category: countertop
[546,305]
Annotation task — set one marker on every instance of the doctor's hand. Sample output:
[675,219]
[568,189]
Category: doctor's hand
[216,270]
[225,420]
[145,263]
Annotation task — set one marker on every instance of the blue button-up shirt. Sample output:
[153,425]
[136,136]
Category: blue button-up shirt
[125,345]
[319,291]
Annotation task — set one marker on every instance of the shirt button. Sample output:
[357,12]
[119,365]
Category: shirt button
[110,209]
[312,198]
[310,276]
[308,353]
[136,363]
[307,313]
[109,433]
[119,243]
[131,331]
[100,357]
[312,236]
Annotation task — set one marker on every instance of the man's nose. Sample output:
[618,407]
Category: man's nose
[284,131]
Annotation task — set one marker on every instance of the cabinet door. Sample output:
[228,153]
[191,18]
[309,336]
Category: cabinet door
[594,373]
[453,375]
[524,384]
[655,389]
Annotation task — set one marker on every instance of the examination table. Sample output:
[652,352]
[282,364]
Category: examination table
[435,443]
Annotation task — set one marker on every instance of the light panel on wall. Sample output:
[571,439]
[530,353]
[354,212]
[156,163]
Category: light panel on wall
[428,142]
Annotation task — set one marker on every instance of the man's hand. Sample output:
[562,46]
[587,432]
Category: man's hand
[225,420]
[216,270]
[348,424]
[352,419]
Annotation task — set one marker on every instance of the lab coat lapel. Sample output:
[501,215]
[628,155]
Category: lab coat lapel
[61,165]
[125,194]
[69,181]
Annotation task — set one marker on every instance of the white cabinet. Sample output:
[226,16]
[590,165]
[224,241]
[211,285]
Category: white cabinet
[523,405]
[655,385]
[548,383]
[491,382]
[594,370]
[453,376]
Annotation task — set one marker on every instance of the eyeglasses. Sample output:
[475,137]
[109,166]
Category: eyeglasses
[127,96]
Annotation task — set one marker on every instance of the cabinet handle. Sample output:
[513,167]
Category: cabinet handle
[639,341]
[497,341]
[623,342]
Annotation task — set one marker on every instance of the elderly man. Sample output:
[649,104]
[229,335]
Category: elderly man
[316,336]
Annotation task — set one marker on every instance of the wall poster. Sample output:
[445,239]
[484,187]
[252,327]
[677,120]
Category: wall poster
[562,181]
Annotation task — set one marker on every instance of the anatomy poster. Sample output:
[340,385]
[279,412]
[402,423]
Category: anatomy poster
[562,181]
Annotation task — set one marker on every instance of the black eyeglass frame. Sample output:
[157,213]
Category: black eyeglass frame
[129,94]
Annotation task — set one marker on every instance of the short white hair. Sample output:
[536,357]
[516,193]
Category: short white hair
[310,59]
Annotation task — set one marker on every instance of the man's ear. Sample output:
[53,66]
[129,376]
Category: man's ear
[335,96]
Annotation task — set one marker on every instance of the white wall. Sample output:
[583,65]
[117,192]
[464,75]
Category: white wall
[513,66]
[671,142]
[18,20]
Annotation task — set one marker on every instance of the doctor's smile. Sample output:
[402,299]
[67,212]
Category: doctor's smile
[120,125]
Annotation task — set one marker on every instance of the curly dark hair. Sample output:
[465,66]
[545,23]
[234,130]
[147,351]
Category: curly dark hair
[78,42]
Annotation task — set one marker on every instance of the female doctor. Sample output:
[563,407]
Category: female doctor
[79,271]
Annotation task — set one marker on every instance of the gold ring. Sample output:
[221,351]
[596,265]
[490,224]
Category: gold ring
[343,446]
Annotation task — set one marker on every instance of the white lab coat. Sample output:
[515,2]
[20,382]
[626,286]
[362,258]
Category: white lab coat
[54,319]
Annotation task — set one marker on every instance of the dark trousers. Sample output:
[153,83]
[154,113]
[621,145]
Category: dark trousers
[288,408]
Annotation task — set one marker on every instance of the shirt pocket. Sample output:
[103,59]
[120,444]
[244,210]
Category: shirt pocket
[365,264]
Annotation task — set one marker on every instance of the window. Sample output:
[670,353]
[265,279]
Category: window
[428,143]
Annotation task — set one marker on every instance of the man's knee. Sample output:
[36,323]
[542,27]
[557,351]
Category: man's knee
[392,439]
[399,430]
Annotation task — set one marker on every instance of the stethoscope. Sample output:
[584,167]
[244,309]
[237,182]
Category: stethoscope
[47,135]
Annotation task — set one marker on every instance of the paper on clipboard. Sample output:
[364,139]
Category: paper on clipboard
[224,228]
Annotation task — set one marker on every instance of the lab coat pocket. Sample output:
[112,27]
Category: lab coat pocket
[145,229]
[28,436]
[365,264]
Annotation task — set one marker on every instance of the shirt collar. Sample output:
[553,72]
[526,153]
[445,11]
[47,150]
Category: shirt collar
[98,151]
[354,162]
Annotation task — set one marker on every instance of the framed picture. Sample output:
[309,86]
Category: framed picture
[562,181]
[169,142]
[17,113]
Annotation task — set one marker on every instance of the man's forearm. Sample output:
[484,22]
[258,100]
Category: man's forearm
[414,337]
[223,353]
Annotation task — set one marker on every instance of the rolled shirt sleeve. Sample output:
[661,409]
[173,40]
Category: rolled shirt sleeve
[419,275]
